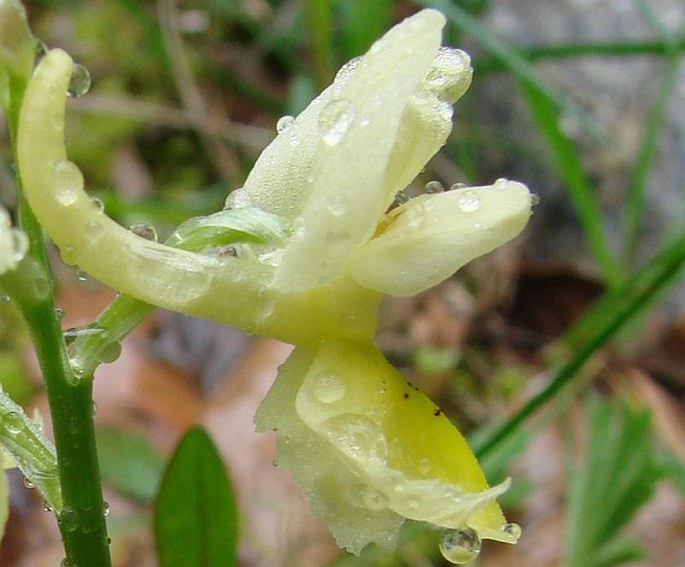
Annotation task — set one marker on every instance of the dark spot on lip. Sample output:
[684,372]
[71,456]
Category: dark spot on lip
[406,395]
[437,412]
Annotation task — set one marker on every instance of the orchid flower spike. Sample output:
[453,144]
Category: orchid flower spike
[367,447]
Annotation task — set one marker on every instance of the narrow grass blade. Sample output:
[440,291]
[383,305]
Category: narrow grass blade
[570,168]
[617,477]
[638,293]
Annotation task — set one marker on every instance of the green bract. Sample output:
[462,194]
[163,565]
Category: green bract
[367,448]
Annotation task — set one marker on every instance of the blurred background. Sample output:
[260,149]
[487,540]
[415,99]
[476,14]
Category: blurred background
[571,339]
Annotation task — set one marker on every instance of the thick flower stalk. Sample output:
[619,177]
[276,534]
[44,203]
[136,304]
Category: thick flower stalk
[367,447]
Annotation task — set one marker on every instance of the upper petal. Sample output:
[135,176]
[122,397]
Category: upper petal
[355,127]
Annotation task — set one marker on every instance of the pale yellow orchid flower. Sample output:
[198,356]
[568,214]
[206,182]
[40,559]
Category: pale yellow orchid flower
[368,449]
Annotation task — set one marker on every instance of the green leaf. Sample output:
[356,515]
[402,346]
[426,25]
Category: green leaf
[130,463]
[195,514]
[618,476]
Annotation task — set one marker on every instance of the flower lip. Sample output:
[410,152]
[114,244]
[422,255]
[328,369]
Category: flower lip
[433,235]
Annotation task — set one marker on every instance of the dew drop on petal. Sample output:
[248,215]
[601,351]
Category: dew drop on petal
[59,313]
[434,187]
[329,388]
[237,199]
[501,184]
[20,244]
[425,465]
[335,120]
[534,199]
[4,298]
[284,123]
[460,546]
[68,182]
[359,437]
[145,231]
[98,204]
[374,500]
[469,201]
[344,73]
[80,81]
[513,529]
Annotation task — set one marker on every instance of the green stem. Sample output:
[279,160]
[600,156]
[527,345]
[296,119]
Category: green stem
[82,517]
[638,295]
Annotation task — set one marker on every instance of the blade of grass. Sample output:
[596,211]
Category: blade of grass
[319,16]
[510,58]
[637,294]
[547,118]
[635,201]
[657,47]
[617,477]
[362,22]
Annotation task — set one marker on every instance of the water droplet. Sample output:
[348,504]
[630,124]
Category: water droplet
[284,123]
[374,500]
[68,255]
[28,484]
[425,465]
[81,275]
[59,313]
[98,204]
[501,184]
[237,199]
[469,201]
[90,520]
[329,388]
[513,530]
[109,352]
[40,50]
[20,244]
[13,423]
[68,182]
[400,198]
[335,120]
[145,231]
[68,519]
[4,298]
[460,546]
[450,74]
[534,199]
[434,187]
[357,436]
[46,506]
[456,186]
[80,81]
[346,70]
[94,409]
[105,509]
